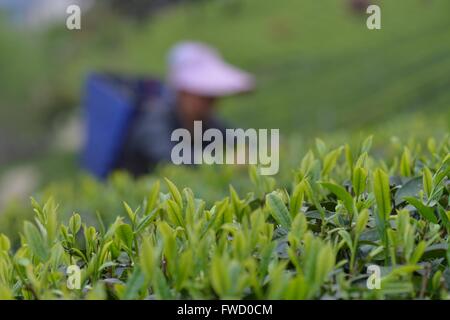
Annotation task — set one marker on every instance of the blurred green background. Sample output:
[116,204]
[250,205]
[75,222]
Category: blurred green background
[320,71]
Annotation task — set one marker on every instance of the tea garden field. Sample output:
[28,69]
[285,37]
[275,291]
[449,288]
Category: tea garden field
[342,212]
[342,205]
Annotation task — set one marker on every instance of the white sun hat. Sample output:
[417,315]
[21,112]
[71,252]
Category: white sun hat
[199,69]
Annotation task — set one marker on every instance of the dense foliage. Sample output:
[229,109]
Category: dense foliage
[342,212]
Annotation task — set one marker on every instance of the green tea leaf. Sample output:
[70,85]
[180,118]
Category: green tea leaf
[75,223]
[347,238]
[161,287]
[418,252]
[361,222]
[134,284]
[170,244]
[278,210]
[411,188]
[174,192]
[427,182]
[342,194]
[330,160]
[174,212]
[307,163]
[321,147]
[359,180]
[236,202]
[184,269]
[406,163]
[382,193]
[125,234]
[296,200]
[361,162]
[367,145]
[147,258]
[147,220]
[152,197]
[5,293]
[426,212]
[5,244]
[35,241]
[131,214]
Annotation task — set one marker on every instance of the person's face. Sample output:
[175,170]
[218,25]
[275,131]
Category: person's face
[194,107]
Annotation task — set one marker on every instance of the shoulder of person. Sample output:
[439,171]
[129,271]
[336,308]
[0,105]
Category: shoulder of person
[162,105]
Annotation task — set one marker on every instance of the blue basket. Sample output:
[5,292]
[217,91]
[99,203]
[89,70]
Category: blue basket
[110,105]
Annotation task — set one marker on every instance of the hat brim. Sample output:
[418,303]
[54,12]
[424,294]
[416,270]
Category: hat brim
[213,80]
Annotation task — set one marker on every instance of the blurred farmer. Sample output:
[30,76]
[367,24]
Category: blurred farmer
[197,77]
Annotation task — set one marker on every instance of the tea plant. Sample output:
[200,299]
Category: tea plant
[315,239]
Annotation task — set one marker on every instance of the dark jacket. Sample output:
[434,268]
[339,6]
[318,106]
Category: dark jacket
[149,139]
